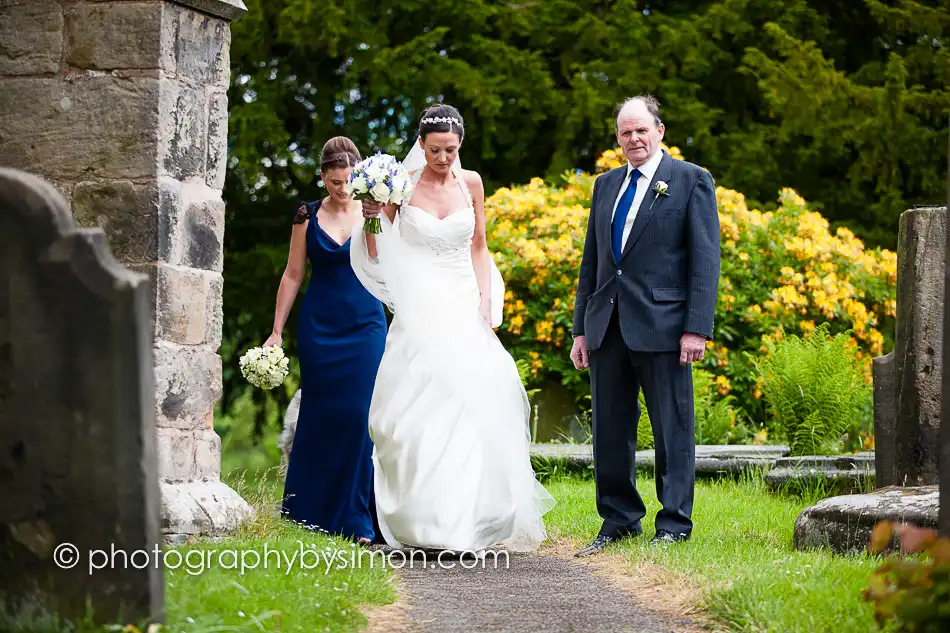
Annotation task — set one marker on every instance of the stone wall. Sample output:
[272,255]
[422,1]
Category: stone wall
[123,106]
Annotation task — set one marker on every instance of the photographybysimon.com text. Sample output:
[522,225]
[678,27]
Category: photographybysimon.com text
[302,558]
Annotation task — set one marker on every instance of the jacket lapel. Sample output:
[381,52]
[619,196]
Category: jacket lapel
[607,201]
[648,208]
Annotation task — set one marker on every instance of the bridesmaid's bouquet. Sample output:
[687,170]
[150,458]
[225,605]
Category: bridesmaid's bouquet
[381,178]
[264,367]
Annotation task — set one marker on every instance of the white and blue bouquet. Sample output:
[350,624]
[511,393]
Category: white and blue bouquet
[381,178]
[264,367]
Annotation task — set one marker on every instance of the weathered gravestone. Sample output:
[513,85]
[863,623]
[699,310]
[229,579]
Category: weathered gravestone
[78,469]
[123,107]
[907,401]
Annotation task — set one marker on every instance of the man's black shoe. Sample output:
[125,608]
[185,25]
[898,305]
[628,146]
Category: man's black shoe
[599,543]
[664,536]
[602,541]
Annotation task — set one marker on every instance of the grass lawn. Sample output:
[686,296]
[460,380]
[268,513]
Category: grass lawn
[741,552]
[326,597]
[209,593]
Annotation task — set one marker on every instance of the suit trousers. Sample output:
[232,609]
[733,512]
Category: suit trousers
[617,375]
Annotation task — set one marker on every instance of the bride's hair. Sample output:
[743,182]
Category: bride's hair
[441,118]
[339,153]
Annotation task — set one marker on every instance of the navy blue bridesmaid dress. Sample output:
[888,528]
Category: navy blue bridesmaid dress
[341,335]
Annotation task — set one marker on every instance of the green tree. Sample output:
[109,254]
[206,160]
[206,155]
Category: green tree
[869,141]
[844,101]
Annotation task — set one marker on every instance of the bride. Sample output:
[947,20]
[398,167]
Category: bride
[449,417]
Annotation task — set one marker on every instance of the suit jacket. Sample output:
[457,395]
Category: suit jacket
[667,279]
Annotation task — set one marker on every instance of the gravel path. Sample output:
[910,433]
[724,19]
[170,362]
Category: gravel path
[528,594]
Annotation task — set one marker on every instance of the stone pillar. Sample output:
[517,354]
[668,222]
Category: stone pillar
[123,106]
[918,353]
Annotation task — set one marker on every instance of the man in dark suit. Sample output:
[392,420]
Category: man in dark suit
[646,297]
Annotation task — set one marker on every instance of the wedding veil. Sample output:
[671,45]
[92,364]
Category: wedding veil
[416,159]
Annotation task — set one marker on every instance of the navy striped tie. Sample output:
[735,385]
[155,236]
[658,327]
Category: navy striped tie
[620,216]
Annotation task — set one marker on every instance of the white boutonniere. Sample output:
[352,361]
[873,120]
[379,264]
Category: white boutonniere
[661,189]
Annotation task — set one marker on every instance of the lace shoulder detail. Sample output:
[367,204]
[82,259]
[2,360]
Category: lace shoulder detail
[306,211]
[302,214]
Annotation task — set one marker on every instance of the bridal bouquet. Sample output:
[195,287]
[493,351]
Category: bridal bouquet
[381,178]
[264,367]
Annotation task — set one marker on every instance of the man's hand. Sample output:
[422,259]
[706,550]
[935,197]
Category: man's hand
[371,208]
[579,353]
[692,348]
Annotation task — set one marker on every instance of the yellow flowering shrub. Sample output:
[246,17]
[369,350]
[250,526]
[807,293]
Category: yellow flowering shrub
[782,270]
[536,233]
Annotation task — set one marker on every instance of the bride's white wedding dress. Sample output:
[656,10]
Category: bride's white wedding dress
[449,416]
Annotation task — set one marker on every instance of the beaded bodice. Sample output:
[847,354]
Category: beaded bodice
[447,239]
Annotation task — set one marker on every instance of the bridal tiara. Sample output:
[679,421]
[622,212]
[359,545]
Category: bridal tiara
[442,119]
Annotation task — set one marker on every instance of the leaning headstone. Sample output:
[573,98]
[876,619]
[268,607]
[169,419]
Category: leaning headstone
[885,418]
[918,352]
[77,423]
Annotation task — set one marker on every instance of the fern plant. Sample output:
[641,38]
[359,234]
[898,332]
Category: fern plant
[815,389]
[718,419]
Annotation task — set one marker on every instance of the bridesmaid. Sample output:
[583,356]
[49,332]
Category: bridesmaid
[341,333]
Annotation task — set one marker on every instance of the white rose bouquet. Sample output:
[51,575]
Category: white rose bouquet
[264,367]
[381,178]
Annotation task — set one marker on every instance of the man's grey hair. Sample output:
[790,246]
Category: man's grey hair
[652,105]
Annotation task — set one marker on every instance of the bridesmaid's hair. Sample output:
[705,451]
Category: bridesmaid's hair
[339,153]
[441,118]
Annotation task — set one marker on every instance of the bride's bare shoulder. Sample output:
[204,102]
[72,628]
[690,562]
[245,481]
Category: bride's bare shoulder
[474,181]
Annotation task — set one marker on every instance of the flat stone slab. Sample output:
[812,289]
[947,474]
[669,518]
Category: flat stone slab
[844,473]
[540,594]
[843,524]
[710,459]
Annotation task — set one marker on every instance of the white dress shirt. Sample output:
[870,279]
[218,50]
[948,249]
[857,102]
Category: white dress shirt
[647,170]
